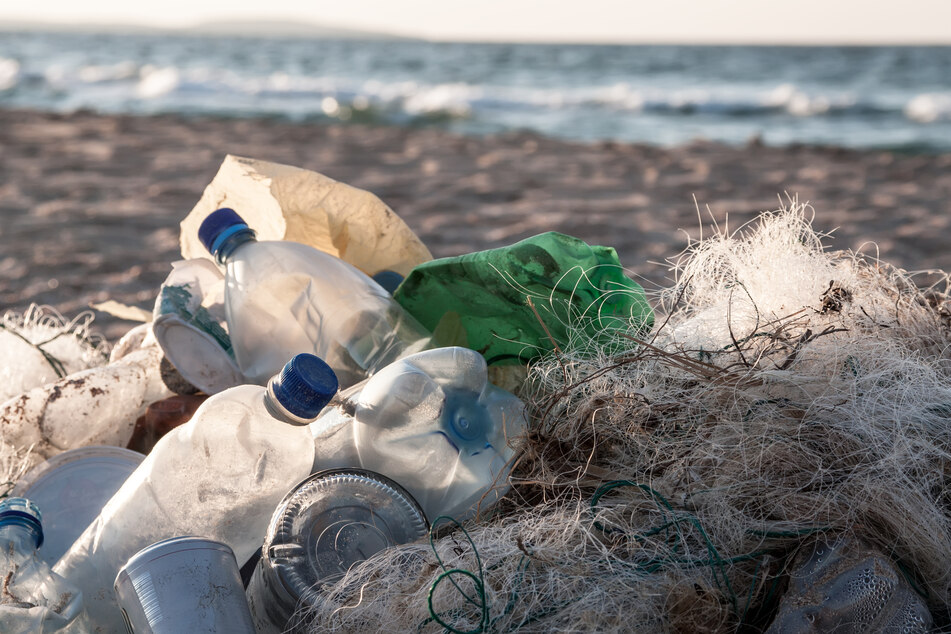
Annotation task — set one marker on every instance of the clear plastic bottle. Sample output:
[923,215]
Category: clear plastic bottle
[219,475]
[431,422]
[34,599]
[327,523]
[283,298]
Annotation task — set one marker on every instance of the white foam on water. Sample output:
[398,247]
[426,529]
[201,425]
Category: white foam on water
[929,107]
[9,73]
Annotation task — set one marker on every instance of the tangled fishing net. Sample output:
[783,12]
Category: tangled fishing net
[40,346]
[785,393]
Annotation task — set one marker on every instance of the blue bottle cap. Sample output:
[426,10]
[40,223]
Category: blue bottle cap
[389,280]
[219,226]
[305,385]
[23,512]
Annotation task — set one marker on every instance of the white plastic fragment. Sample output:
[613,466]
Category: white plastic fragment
[288,203]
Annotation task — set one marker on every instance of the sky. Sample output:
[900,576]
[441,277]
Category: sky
[620,21]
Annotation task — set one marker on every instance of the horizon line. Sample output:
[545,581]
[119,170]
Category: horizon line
[307,29]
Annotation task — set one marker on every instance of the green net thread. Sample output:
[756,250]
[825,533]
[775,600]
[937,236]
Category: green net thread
[672,529]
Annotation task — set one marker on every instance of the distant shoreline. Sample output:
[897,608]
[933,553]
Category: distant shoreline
[317,120]
[278,28]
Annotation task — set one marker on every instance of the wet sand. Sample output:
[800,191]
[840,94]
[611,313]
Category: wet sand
[90,204]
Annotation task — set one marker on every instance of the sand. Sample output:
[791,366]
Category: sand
[90,204]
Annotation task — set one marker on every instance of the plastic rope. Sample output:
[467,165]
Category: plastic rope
[675,539]
[55,363]
[480,601]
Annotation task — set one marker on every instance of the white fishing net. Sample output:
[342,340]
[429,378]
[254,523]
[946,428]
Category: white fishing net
[786,392]
[40,346]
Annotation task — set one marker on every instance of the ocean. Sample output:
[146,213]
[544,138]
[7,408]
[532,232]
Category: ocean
[855,97]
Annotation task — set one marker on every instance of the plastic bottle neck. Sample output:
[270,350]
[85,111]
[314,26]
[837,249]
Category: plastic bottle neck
[18,538]
[278,411]
[229,243]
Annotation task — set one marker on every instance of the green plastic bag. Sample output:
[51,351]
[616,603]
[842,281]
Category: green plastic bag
[487,301]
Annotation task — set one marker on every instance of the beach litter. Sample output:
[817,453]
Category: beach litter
[762,446]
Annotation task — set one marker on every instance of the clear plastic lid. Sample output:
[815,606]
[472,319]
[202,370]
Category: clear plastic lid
[71,488]
[334,519]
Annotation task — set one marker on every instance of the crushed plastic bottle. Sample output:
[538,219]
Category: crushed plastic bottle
[183,584]
[33,599]
[284,298]
[219,475]
[432,423]
[839,585]
[327,523]
[189,323]
[97,406]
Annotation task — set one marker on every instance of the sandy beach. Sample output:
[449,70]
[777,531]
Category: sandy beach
[90,204]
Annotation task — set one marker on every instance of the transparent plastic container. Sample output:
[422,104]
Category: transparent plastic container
[326,524]
[284,298]
[34,599]
[219,475]
[183,584]
[73,487]
[433,423]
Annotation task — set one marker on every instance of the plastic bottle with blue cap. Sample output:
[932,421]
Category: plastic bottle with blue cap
[34,599]
[283,298]
[219,476]
[433,423]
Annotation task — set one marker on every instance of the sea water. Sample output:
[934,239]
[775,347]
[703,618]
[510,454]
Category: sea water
[861,97]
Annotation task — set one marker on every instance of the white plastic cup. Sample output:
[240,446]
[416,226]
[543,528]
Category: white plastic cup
[183,584]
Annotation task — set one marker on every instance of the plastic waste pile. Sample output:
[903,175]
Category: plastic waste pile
[314,394]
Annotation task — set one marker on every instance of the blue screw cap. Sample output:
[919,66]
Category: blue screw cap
[389,280]
[218,226]
[305,385]
[23,512]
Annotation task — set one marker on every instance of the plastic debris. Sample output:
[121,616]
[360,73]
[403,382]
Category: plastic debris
[667,483]
[841,586]
[183,584]
[33,598]
[40,346]
[432,423]
[515,303]
[326,524]
[220,475]
[289,203]
[73,487]
[97,406]
[189,325]
[283,298]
